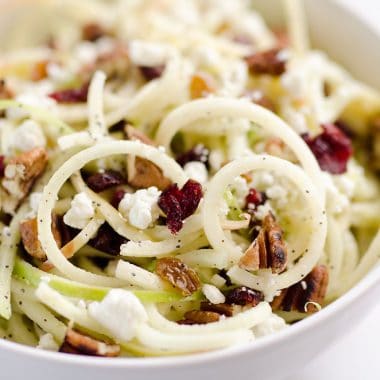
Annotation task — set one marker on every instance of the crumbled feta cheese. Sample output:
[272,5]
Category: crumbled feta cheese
[278,193]
[240,189]
[80,212]
[120,312]
[197,171]
[48,343]
[216,159]
[262,180]
[57,73]
[217,280]
[206,56]
[28,135]
[345,184]
[271,325]
[141,208]
[33,99]
[337,202]
[295,119]
[148,53]
[86,52]
[213,294]
[263,210]
[304,285]
[295,83]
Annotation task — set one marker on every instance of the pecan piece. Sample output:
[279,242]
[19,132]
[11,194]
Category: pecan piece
[178,274]
[29,236]
[5,91]
[200,317]
[200,86]
[221,308]
[303,295]
[143,173]
[268,250]
[93,31]
[20,173]
[80,344]
[271,62]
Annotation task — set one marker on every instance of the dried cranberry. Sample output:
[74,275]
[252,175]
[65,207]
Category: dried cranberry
[152,72]
[244,296]
[254,199]
[2,166]
[72,95]
[103,181]
[271,62]
[107,240]
[198,153]
[118,195]
[179,204]
[332,149]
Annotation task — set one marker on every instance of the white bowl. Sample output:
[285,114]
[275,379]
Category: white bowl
[347,39]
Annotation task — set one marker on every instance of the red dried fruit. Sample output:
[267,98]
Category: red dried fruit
[2,166]
[103,181]
[332,149]
[254,199]
[178,274]
[198,153]
[271,62]
[117,196]
[107,240]
[151,72]
[244,296]
[179,204]
[72,95]
[93,31]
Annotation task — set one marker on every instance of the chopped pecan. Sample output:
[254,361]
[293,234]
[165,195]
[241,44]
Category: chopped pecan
[143,173]
[268,250]
[20,173]
[93,31]
[178,274]
[304,295]
[200,317]
[104,180]
[271,62]
[244,296]
[221,308]
[152,72]
[80,344]
[200,86]
[29,236]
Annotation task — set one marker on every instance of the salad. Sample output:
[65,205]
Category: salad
[177,177]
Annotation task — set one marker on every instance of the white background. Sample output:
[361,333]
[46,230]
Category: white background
[357,356]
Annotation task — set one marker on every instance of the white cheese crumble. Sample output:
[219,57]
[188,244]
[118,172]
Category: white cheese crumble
[337,202]
[57,73]
[140,208]
[263,210]
[120,312]
[48,343]
[240,189]
[28,135]
[197,171]
[80,213]
[269,326]
[213,294]
[34,202]
[86,52]
[279,194]
[144,53]
[216,159]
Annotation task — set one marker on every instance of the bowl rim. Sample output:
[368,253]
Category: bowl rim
[370,280]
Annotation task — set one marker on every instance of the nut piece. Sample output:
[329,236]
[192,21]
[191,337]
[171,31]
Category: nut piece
[29,237]
[77,343]
[220,308]
[303,295]
[271,62]
[20,174]
[200,86]
[143,173]
[268,250]
[200,317]
[178,274]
